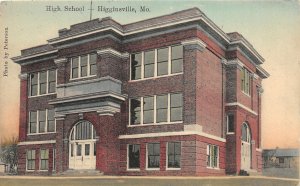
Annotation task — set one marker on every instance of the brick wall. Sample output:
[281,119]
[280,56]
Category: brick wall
[193,156]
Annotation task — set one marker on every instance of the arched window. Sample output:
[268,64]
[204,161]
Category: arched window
[83,130]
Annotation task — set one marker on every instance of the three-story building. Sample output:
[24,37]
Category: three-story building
[171,95]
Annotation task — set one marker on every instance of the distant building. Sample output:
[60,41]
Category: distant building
[170,95]
[3,167]
[281,158]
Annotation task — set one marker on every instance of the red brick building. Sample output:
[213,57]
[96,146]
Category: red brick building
[171,95]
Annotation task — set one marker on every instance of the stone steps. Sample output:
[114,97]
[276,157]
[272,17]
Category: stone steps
[81,172]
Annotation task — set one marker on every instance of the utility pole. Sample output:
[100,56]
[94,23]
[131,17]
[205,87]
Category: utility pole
[91,10]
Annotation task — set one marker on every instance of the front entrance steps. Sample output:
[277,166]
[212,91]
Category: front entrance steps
[81,172]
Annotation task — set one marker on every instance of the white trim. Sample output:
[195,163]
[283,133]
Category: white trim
[234,62]
[195,41]
[23,76]
[42,95]
[242,106]
[260,59]
[72,99]
[113,52]
[165,134]
[155,77]
[60,60]
[156,124]
[75,83]
[36,142]
[34,55]
[259,150]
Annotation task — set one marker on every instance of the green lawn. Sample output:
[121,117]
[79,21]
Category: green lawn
[98,181]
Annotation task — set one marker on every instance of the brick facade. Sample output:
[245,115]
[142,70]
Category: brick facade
[210,85]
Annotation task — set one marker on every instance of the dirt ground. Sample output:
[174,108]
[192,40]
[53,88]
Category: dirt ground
[113,181]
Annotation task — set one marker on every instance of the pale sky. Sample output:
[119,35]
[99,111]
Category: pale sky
[272,27]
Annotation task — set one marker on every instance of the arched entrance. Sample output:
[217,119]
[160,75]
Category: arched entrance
[246,147]
[82,146]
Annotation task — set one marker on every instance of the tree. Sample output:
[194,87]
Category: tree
[8,153]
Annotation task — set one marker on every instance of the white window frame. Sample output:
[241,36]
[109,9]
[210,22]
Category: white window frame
[54,159]
[38,84]
[37,124]
[154,112]
[218,156]
[30,170]
[227,123]
[249,79]
[155,65]
[79,67]
[167,155]
[128,168]
[152,169]
[40,160]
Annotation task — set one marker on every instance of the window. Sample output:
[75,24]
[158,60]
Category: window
[30,159]
[176,107]
[33,84]
[162,61]
[32,122]
[177,59]
[281,160]
[149,60]
[44,157]
[83,66]
[148,109]
[246,81]
[162,108]
[93,61]
[153,154]
[212,156]
[156,109]
[41,121]
[135,111]
[54,159]
[42,83]
[52,81]
[230,123]
[75,64]
[51,121]
[133,156]
[136,63]
[157,62]
[174,154]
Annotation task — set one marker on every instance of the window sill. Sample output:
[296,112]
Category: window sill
[246,94]
[152,169]
[43,170]
[42,95]
[30,170]
[215,168]
[133,169]
[229,133]
[157,77]
[173,169]
[155,124]
[85,77]
[33,134]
